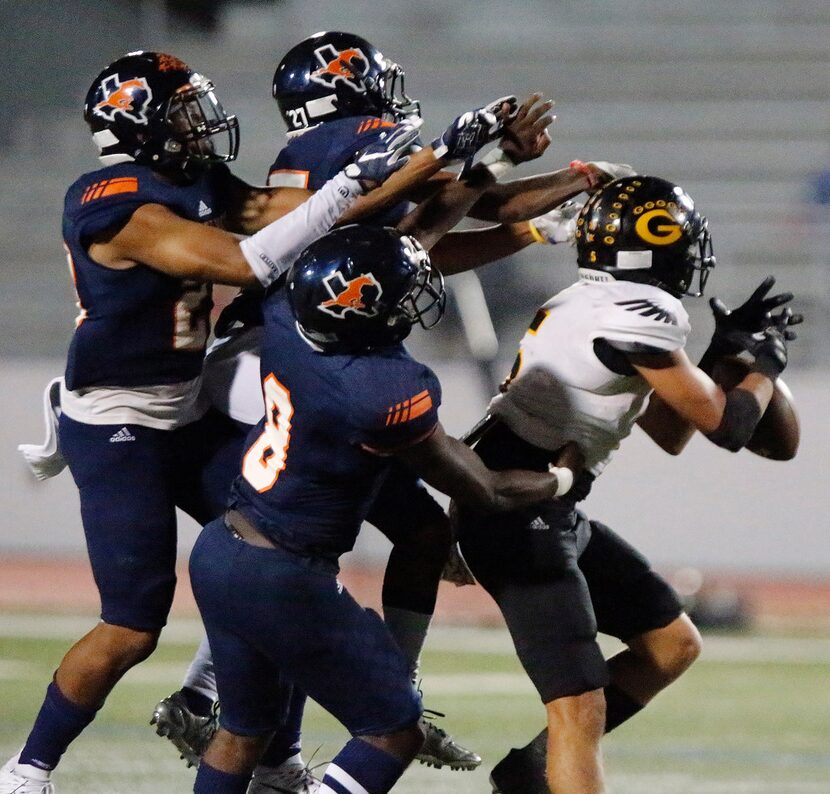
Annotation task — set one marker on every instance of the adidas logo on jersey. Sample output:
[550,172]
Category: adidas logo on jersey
[122,435]
[204,209]
[539,523]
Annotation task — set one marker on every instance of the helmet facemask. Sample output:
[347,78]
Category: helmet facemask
[197,122]
[426,299]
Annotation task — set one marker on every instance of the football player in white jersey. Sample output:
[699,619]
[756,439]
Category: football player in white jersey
[600,356]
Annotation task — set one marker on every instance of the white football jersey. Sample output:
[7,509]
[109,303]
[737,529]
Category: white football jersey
[230,378]
[560,391]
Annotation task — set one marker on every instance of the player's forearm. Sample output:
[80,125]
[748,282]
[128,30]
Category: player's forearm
[459,251]
[454,469]
[433,218]
[420,167]
[272,250]
[670,431]
[523,199]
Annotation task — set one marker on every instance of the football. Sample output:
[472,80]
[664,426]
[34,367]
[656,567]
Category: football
[778,433]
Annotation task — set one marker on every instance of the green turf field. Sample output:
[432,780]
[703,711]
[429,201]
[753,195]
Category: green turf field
[752,716]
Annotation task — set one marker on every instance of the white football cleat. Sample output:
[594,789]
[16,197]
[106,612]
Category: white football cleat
[13,783]
[288,778]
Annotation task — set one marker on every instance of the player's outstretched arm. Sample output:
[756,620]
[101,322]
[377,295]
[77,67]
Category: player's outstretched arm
[687,398]
[156,237]
[454,469]
[527,198]
[467,249]
[524,138]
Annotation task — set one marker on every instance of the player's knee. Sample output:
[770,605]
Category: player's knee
[233,753]
[581,715]
[403,744]
[688,645]
[127,647]
[672,649]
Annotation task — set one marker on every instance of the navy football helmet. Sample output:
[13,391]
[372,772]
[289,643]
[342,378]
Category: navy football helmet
[362,287]
[642,228]
[153,109]
[334,75]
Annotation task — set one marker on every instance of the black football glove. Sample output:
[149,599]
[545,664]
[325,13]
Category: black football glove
[770,346]
[734,328]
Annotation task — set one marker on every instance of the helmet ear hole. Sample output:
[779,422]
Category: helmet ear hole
[644,229]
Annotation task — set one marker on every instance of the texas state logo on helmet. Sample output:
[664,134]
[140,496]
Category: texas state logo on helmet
[349,66]
[152,108]
[361,287]
[131,98]
[360,295]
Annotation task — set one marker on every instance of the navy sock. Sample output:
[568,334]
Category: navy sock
[201,705]
[359,762]
[619,707]
[286,740]
[282,746]
[59,722]
[214,781]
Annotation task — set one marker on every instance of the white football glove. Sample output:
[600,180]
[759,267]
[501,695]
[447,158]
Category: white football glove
[379,160]
[558,225]
[474,129]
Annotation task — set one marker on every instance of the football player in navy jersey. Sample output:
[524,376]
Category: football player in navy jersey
[600,356]
[337,93]
[144,236]
[343,400]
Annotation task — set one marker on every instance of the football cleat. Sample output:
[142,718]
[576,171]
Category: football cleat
[12,783]
[440,749]
[189,732]
[520,772]
[285,779]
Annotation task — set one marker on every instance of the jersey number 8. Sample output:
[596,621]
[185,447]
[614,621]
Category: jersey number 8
[265,458]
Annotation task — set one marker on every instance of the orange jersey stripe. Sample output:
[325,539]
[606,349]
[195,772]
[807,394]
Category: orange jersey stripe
[110,187]
[409,409]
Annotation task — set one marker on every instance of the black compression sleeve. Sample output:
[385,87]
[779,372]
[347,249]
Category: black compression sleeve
[740,417]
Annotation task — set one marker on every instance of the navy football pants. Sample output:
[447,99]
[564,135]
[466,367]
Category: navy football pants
[273,617]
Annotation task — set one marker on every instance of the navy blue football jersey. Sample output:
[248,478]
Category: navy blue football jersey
[311,159]
[136,327]
[315,462]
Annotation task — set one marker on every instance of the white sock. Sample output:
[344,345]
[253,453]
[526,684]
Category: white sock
[32,772]
[200,676]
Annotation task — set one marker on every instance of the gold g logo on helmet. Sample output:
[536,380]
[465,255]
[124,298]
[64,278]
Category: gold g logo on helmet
[658,227]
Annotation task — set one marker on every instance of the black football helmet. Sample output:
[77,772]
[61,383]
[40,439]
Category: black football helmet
[362,287]
[643,228]
[153,109]
[334,75]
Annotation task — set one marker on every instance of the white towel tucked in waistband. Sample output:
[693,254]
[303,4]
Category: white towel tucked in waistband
[45,460]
